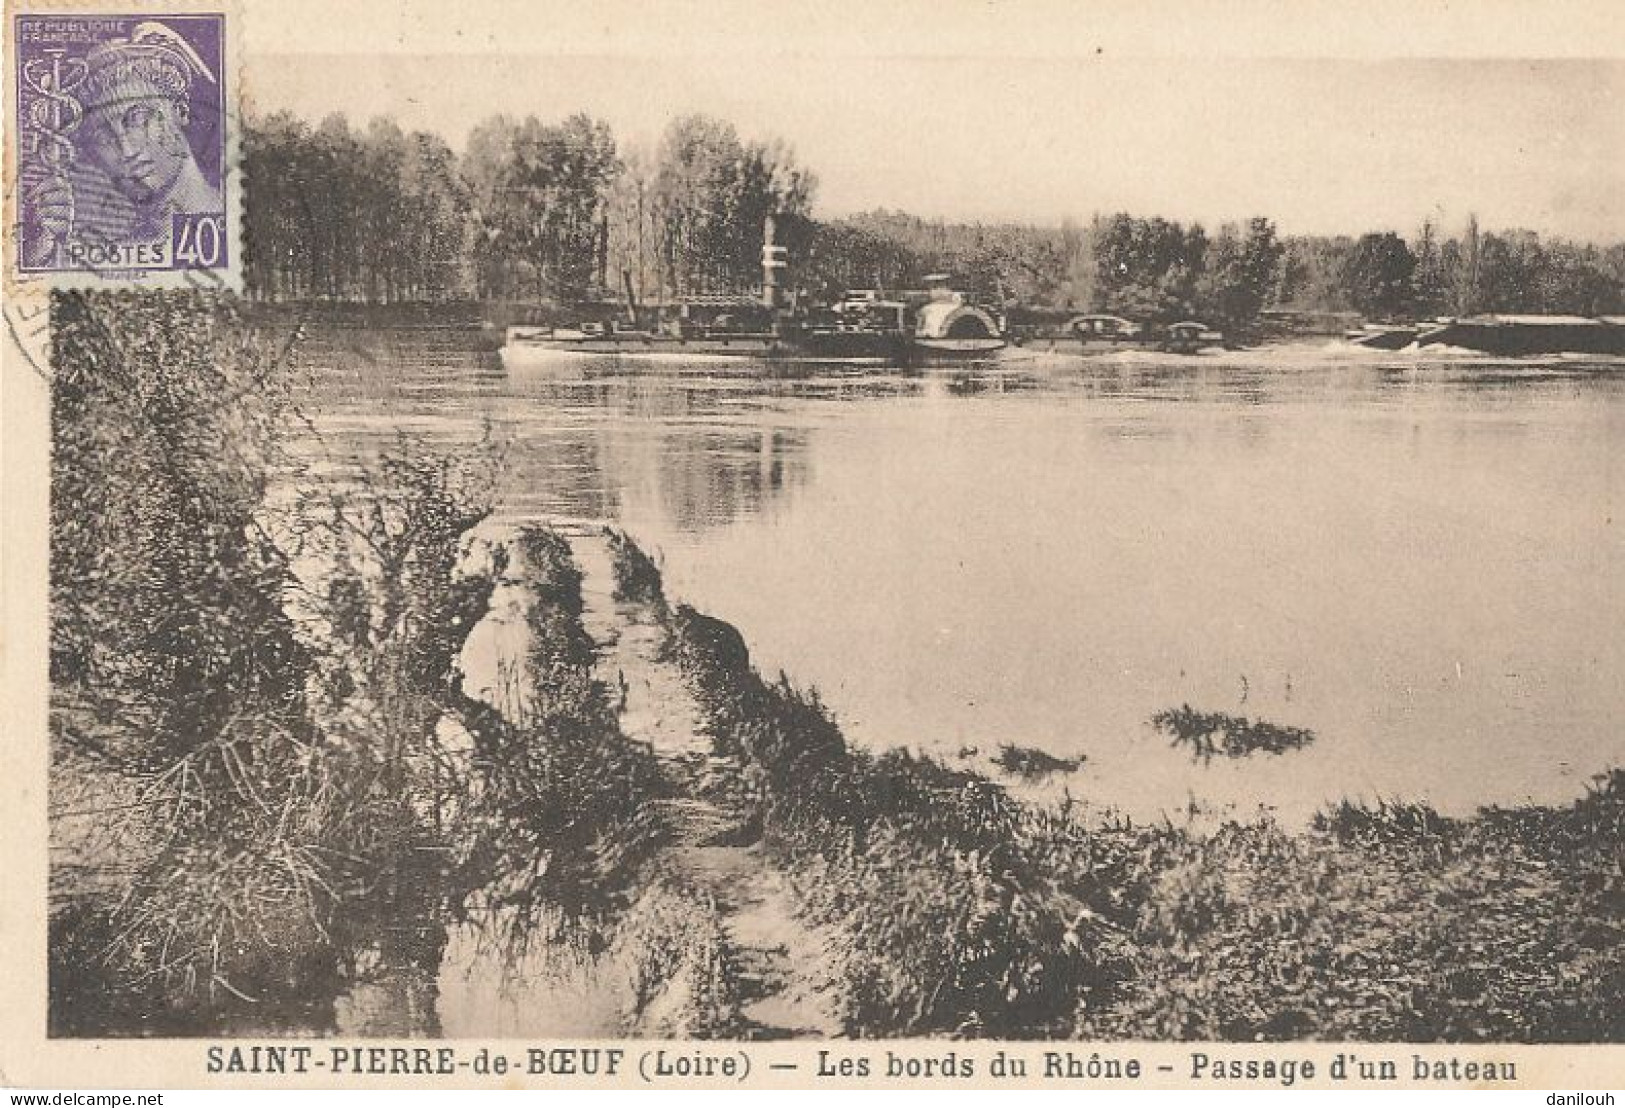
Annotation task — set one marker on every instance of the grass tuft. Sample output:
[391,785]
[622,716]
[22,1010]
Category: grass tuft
[1211,734]
[1033,764]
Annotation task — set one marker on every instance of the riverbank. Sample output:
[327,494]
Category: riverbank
[953,909]
[283,802]
[274,804]
[394,336]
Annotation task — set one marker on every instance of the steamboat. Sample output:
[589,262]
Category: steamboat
[913,327]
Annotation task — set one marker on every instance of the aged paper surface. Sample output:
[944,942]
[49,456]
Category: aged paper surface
[740,545]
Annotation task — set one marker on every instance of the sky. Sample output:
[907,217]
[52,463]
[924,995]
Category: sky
[1327,117]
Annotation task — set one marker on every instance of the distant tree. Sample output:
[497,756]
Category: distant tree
[342,207]
[540,193]
[415,212]
[1431,281]
[1034,263]
[1511,271]
[1312,274]
[1239,274]
[556,210]
[840,256]
[696,158]
[1378,276]
[1503,275]
[711,195]
[1147,268]
[381,215]
[1611,264]
[335,214]
[1464,268]
[278,218]
[1015,262]
[1520,272]
[1575,280]
[495,257]
[438,225]
[631,226]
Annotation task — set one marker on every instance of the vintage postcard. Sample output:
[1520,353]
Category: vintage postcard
[1033,545]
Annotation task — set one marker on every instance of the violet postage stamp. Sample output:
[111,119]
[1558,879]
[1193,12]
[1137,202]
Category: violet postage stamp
[122,168]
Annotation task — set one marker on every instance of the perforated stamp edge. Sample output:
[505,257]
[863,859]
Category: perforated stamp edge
[27,293]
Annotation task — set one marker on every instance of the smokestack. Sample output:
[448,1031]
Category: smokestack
[774,259]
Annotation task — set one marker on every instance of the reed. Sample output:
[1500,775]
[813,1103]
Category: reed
[1211,734]
[684,981]
[939,921]
[562,816]
[271,734]
[1032,764]
[637,577]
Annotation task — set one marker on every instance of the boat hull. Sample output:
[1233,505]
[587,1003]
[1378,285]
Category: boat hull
[955,350]
[1082,344]
[1386,338]
[1089,345]
[1512,338]
[827,346]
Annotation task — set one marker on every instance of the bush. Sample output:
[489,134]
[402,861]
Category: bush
[637,578]
[266,746]
[563,813]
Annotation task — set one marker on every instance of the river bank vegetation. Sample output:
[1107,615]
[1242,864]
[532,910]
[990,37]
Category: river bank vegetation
[954,909]
[563,214]
[959,911]
[269,781]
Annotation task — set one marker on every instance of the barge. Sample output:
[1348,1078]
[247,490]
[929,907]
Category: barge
[1515,335]
[1104,334]
[1505,335]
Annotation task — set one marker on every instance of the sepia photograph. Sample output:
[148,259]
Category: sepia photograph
[1069,524]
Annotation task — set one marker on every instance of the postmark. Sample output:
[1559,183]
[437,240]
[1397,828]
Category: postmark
[122,167]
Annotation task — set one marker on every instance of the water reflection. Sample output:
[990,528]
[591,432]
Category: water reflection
[1417,560]
[712,477]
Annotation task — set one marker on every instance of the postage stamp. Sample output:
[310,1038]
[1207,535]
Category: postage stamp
[122,172]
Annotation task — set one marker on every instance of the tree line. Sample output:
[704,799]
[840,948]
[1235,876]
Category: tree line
[1160,270]
[531,210]
[561,212]
[1382,275]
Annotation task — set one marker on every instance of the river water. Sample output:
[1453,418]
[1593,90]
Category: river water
[1422,560]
